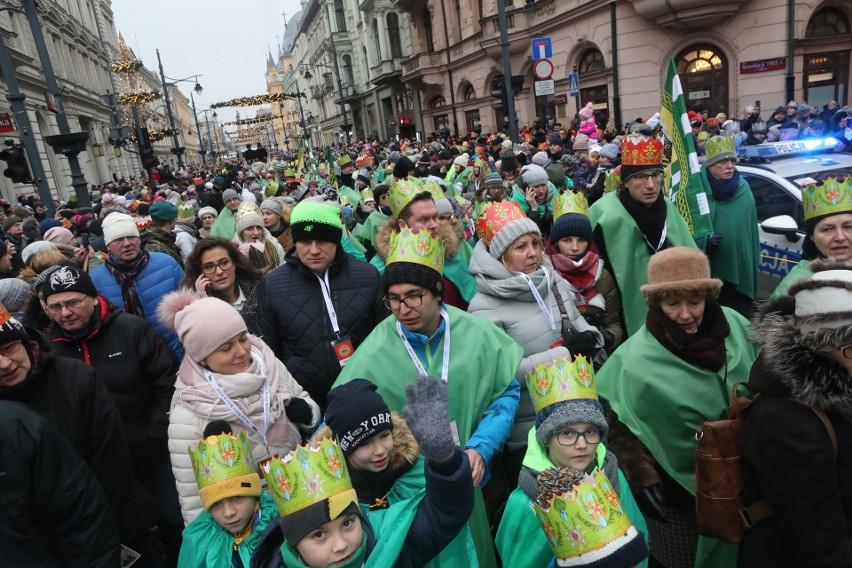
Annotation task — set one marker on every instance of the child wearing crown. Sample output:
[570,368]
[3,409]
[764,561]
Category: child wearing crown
[235,511]
[321,524]
[570,429]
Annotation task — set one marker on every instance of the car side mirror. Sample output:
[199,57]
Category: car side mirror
[782,225]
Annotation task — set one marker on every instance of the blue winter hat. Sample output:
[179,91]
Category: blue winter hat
[48,224]
[609,151]
[571,225]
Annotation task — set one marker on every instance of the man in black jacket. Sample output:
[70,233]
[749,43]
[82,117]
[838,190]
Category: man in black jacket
[52,510]
[318,306]
[138,369]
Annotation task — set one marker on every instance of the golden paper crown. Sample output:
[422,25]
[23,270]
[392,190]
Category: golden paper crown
[561,380]
[569,202]
[720,145]
[827,197]
[310,475]
[584,519]
[434,188]
[223,467]
[495,216]
[366,194]
[612,180]
[636,150]
[402,192]
[419,248]
[246,209]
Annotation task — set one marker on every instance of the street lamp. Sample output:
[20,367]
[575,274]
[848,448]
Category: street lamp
[177,149]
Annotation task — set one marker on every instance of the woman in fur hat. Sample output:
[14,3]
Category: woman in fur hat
[227,374]
[790,456]
[255,241]
[669,377]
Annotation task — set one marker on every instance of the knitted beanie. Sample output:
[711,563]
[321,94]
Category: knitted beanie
[823,306]
[118,225]
[609,151]
[201,324]
[58,235]
[314,220]
[207,211]
[48,224]
[229,194]
[163,211]
[356,413]
[504,238]
[10,328]
[38,246]
[413,273]
[571,225]
[444,206]
[10,220]
[551,419]
[493,180]
[534,175]
[247,215]
[272,205]
[68,279]
[581,142]
[13,293]
[540,159]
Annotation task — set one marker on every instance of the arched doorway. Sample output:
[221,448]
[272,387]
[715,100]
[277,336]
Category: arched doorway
[703,71]
[826,74]
[591,67]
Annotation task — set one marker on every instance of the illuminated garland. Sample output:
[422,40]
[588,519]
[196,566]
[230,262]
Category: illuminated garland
[138,97]
[131,66]
[249,121]
[156,135]
[255,100]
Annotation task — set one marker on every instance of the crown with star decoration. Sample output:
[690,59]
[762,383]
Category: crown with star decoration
[637,150]
[495,216]
[560,380]
[224,467]
[402,192]
[827,197]
[419,248]
[569,202]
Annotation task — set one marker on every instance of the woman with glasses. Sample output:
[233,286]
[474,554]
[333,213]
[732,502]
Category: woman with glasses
[570,431]
[216,268]
[805,367]
[669,377]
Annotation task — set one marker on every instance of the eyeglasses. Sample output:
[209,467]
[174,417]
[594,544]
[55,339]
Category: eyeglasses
[642,177]
[9,349]
[210,267]
[71,305]
[412,301]
[846,351]
[570,437]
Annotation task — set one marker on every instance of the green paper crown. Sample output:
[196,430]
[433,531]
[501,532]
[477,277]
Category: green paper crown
[419,248]
[569,202]
[827,197]
[720,145]
[217,458]
[310,475]
[612,180]
[561,380]
[403,191]
[584,519]
[366,194]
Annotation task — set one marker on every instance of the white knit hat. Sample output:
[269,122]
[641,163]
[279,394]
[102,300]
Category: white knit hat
[119,225]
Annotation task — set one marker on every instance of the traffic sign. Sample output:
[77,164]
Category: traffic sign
[544,88]
[574,84]
[542,48]
[543,69]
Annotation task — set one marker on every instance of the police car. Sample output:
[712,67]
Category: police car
[777,172]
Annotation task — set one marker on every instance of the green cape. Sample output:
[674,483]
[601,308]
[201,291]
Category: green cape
[225,226]
[798,272]
[629,254]
[366,231]
[352,247]
[207,545]
[676,398]
[353,196]
[737,260]
[521,541]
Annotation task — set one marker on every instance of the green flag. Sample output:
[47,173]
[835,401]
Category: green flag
[332,179]
[690,191]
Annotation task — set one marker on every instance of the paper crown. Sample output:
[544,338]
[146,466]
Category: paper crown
[224,467]
[403,191]
[5,316]
[561,380]
[186,212]
[363,161]
[246,209]
[585,519]
[435,188]
[827,197]
[309,475]
[612,180]
[495,216]
[569,202]
[367,194]
[720,146]
[637,150]
[419,248]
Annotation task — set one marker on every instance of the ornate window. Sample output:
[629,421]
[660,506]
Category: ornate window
[438,101]
[340,15]
[703,71]
[469,92]
[827,22]
[591,61]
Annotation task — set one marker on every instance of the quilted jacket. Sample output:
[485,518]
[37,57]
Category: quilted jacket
[295,324]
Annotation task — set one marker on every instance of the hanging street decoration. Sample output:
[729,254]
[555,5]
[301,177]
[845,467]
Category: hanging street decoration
[131,66]
[249,121]
[255,100]
[138,97]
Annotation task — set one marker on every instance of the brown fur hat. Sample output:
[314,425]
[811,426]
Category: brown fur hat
[679,270]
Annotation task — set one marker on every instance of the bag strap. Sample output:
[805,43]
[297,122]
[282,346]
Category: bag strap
[828,427]
[566,321]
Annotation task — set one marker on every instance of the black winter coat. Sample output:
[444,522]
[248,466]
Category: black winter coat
[296,325]
[788,456]
[71,397]
[440,517]
[139,370]
[52,511]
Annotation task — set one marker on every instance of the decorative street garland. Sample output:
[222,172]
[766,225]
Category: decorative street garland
[249,121]
[130,66]
[255,100]
[138,97]
[157,135]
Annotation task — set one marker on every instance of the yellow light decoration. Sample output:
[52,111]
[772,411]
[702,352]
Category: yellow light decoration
[256,100]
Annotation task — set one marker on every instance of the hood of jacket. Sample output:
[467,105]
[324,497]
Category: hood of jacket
[451,239]
[493,278]
[788,368]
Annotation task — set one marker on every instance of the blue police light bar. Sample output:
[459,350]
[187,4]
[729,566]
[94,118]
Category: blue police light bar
[788,148]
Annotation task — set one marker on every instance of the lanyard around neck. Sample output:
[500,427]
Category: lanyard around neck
[445,363]
[232,406]
[329,307]
[541,305]
[662,239]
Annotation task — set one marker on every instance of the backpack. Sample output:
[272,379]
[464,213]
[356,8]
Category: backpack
[719,480]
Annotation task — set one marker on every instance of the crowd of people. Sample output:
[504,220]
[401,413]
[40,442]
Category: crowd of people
[466,351]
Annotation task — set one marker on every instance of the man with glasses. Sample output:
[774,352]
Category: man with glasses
[734,246]
[138,369]
[635,222]
[427,337]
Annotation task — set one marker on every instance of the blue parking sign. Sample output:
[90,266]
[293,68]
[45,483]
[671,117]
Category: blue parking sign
[542,48]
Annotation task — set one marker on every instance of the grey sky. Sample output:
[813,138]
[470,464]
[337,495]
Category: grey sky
[226,41]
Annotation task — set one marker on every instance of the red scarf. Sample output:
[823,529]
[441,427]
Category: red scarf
[581,277]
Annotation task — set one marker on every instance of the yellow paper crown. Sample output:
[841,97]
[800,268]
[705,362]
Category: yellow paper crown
[569,202]
[223,467]
[612,180]
[366,194]
[310,475]
[720,145]
[561,380]
[495,216]
[829,196]
[403,191]
[583,519]
[419,248]
[246,209]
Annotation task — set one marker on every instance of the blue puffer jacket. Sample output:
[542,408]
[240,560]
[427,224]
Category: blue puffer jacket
[160,276]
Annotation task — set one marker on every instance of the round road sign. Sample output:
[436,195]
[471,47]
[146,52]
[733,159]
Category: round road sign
[543,69]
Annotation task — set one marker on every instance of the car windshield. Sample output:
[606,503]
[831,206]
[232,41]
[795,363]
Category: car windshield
[803,179]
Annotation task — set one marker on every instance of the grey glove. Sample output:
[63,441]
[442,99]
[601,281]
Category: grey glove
[427,417]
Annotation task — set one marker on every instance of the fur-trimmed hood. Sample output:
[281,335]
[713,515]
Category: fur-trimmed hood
[789,366]
[406,450]
[451,239]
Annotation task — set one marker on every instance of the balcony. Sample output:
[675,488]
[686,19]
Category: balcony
[385,72]
[695,14]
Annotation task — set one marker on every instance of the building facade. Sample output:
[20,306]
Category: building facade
[729,55]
